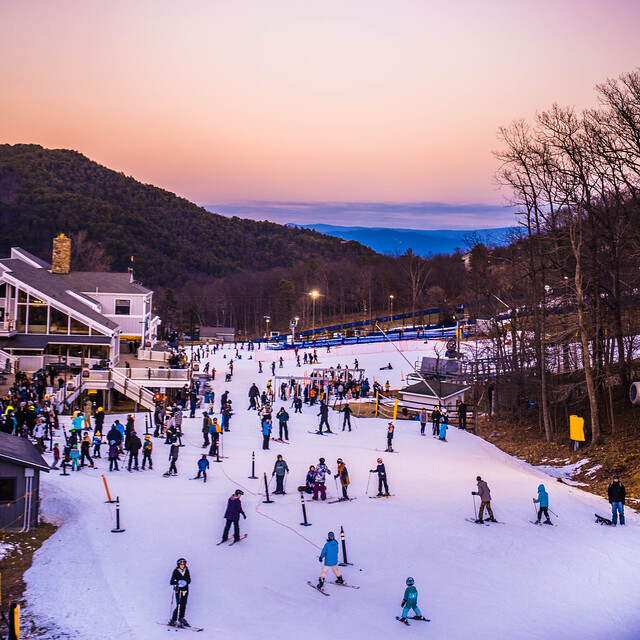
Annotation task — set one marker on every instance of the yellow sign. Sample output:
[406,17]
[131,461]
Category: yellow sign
[576,428]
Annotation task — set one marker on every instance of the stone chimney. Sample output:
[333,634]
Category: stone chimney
[61,259]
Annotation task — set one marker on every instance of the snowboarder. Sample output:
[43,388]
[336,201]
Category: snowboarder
[543,501]
[382,478]
[617,494]
[423,420]
[309,481]
[318,485]
[485,500]
[283,418]
[280,468]
[180,580]
[390,430]
[410,602]
[343,474]
[329,554]
[324,416]
[203,465]
[347,416]
[232,515]
[147,450]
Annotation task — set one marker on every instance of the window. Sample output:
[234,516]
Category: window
[7,489]
[37,319]
[58,322]
[78,328]
[21,325]
[123,307]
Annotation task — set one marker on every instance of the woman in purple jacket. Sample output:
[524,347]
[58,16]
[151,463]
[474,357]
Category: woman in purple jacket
[232,514]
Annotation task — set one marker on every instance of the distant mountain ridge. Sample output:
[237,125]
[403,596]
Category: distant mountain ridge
[420,241]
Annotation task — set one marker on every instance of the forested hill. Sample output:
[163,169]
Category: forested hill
[45,192]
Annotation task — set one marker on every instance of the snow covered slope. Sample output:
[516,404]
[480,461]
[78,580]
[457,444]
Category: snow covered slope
[517,580]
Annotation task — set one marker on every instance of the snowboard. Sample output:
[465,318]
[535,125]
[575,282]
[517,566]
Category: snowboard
[601,520]
[344,584]
[341,500]
[313,586]
[169,627]
[385,496]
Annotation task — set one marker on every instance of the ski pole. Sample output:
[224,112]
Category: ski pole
[366,493]
[536,510]
[554,513]
[475,511]
[171,607]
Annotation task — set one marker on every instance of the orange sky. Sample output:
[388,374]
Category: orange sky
[350,100]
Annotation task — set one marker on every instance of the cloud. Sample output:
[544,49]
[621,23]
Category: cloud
[411,215]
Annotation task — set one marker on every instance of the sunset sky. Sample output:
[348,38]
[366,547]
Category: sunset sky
[294,101]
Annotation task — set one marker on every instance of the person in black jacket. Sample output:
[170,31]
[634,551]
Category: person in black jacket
[180,580]
[134,447]
[617,495]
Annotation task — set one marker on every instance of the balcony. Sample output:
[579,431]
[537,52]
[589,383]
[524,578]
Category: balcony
[8,328]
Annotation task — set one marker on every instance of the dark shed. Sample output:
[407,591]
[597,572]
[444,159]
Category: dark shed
[20,466]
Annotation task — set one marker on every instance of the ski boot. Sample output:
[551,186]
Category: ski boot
[184,623]
[479,521]
[340,580]
[320,583]
[491,519]
[548,522]
[173,623]
[536,522]
[379,495]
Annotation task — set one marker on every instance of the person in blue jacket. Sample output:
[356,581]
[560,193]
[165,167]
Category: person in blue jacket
[74,456]
[410,601]
[266,432]
[203,465]
[329,554]
[444,423]
[543,501]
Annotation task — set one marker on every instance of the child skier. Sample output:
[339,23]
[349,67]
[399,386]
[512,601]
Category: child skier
[180,580]
[280,468]
[97,442]
[74,456]
[390,431]
[410,602]
[113,455]
[309,481]
[56,456]
[203,465]
[382,478]
[147,450]
[444,423]
[329,554]
[543,501]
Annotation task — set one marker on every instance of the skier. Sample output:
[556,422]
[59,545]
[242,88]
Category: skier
[254,394]
[485,500]
[203,465]
[324,416]
[329,554]
[343,474]
[410,602]
[232,515]
[206,423]
[180,580]
[423,420]
[435,420]
[85,445]
[266,431]
[74,456]
[617,494]
[56,456]
[280,468]
[382,478]
[283,418]
[462,415]
[173,456]
[297,404]
[147,449]
[543,501]
[134,447]
[443,427]
[215,430]
[318,485]
[97,442]
[113,455]
[390,431]
[347,416]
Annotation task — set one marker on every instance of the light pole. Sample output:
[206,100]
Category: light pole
[267,319]
[293,323]
[314,294]
[390,309]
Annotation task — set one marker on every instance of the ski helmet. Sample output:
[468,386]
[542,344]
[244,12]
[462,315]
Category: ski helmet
[180,561]
[379,460]
[147,437]
[478,478]
[239,492]
[409,582]
[321,460]
[331,535]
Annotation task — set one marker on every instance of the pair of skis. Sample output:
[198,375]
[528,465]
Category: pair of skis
[176,628]
[324,593]
[233,541]
[487,523]
[406,622]
[341,500]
